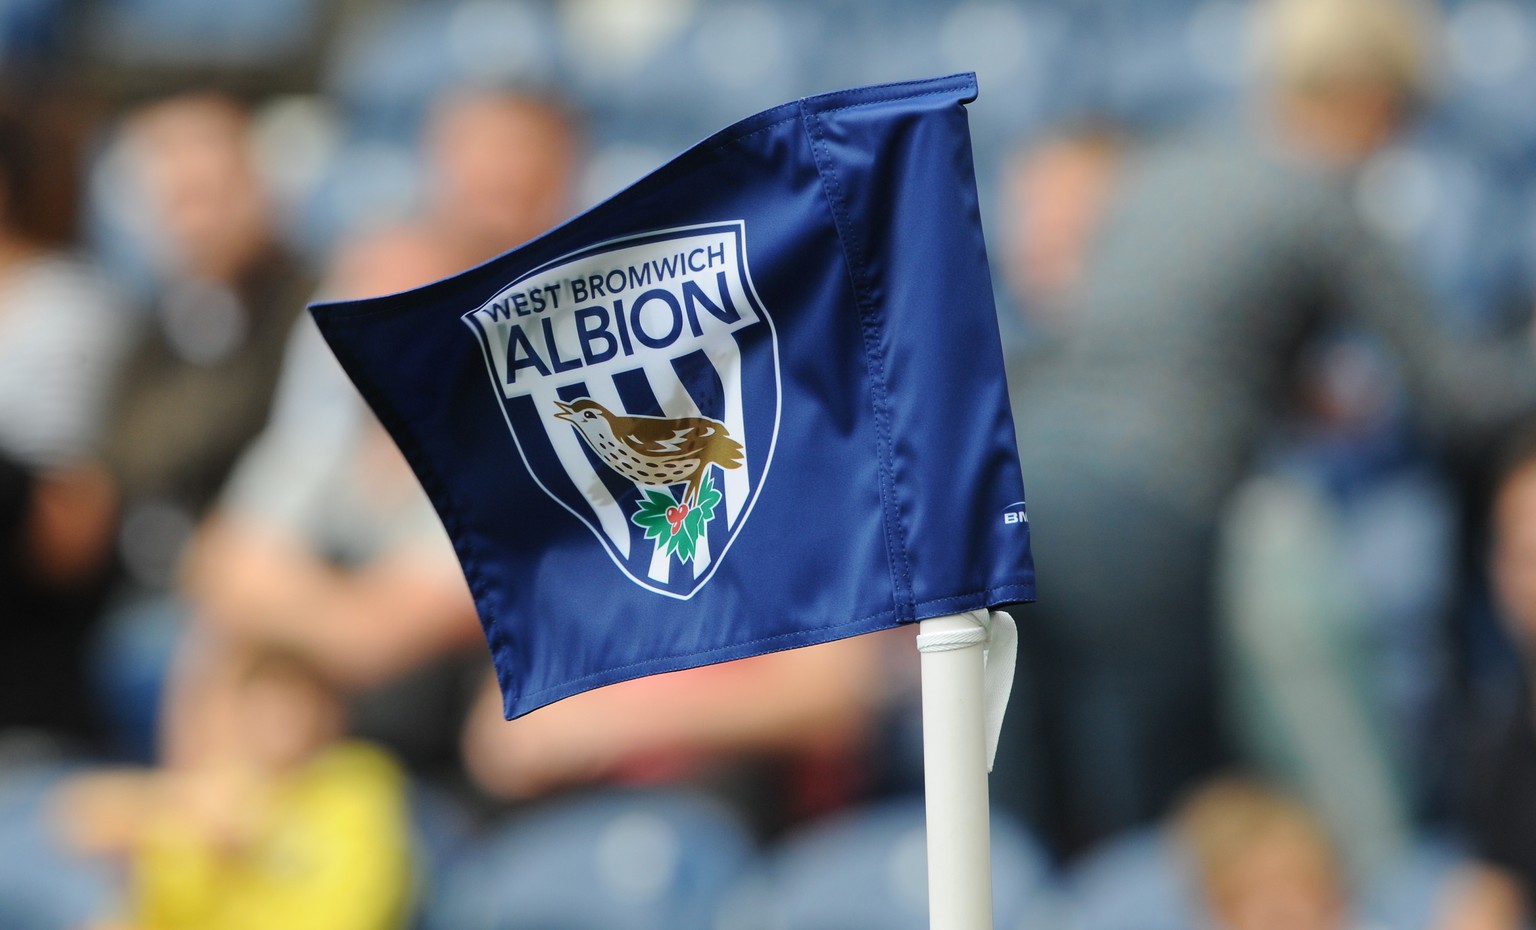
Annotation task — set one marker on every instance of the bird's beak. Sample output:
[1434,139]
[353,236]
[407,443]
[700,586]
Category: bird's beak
[565,413]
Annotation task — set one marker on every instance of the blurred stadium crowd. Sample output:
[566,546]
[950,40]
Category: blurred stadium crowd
[1266,274]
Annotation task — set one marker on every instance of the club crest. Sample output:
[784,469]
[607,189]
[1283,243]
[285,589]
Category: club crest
[639,378]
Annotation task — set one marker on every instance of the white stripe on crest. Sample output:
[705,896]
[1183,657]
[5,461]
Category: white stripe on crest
[570,448]
[725,355]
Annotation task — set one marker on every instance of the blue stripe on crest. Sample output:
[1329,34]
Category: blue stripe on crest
[635,389]
[702,382]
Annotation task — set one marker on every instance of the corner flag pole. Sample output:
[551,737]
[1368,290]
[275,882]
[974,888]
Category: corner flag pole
[962,685]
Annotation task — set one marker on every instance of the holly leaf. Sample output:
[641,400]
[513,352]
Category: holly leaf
[693,525]
[685,542]
[708,498]
[655,528]
[652,514]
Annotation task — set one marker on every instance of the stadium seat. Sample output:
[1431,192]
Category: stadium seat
[42,885]
[1409,894]
[390,68]
[1136,882]
[618,861]
[174,32]
[867,870]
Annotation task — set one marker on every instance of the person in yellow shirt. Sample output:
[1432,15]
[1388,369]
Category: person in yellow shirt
[280,825]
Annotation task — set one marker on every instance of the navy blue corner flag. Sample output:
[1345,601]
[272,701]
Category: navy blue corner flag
[755,401]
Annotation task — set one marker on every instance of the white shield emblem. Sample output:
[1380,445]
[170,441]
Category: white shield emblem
[639,378]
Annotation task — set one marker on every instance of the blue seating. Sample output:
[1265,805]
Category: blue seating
[867,870]
[173,32]
[29,29]
[1410,894]
[388,71]
[618,861]
[43,886]
[1140,881]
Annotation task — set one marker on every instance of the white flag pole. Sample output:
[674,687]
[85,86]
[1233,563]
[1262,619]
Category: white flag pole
[956,757]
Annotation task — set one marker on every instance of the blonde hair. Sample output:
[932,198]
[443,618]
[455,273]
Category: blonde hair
[1229,816]
[1317,46]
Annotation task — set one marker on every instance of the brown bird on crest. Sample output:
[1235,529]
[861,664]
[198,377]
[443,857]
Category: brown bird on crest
[654,452]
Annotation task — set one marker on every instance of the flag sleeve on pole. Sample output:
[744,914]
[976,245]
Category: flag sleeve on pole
[752,402]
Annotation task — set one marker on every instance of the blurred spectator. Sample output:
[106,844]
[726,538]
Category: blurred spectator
[1332,604]
[812,707]
[1055,192]
[198,386]
[1499,892]
[324,542]
[61,333]
[1217,260]
[279,825]
[1262,860]
[500,170]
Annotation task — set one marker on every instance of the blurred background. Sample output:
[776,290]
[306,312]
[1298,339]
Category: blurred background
[241,682]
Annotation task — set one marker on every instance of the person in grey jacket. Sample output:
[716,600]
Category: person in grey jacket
[1220,258]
